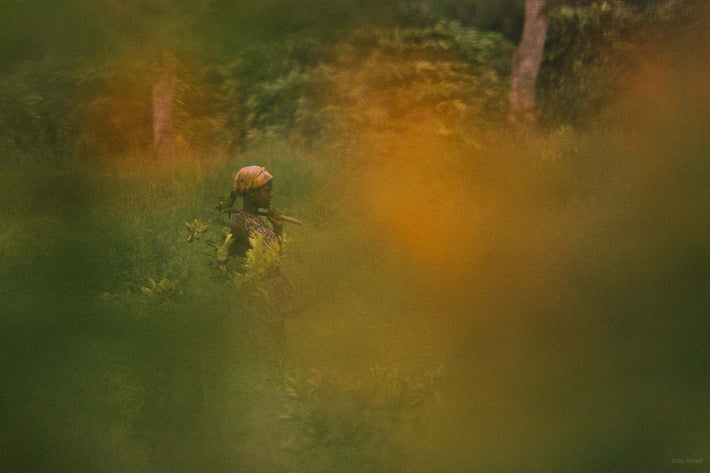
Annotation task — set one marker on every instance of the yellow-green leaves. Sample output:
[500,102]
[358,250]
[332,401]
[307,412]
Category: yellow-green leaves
[223,251]
[260,261]
[163,290]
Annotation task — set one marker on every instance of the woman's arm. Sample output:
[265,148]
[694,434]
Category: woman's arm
[240,237]
[274,216]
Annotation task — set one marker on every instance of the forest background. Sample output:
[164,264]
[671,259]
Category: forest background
[471,296]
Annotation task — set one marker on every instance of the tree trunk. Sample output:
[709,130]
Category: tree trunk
[163,95]
[526,63]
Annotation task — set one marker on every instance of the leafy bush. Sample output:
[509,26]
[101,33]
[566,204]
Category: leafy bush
[590,51]
[370,78]
[384,79]
[260,262]
[268,90]
[587,53]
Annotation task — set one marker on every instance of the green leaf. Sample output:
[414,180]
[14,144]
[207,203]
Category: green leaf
[223,252]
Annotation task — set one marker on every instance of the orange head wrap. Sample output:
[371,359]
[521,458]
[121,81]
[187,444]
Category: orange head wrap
[250,177]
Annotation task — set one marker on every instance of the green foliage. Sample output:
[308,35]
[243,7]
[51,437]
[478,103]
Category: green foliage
[116,114]
[37,110]
[303,87]
[354,425]
[388,78]
[202,110]
[306,87]
[591,50]
[249,273]
[587,53]
[502,16]
[196,229]
[261,261]
[385,78]
[253,274]
[269,90]
[165,289]
[408,61]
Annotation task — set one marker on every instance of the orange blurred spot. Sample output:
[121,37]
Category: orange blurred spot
[415,192]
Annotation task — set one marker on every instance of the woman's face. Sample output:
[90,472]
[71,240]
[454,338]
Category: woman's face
[263,195]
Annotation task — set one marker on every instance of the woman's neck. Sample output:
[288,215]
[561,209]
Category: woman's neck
[251,207]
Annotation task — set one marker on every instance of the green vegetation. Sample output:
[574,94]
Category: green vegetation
[464,298]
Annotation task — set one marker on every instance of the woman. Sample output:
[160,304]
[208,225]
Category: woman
[254,184]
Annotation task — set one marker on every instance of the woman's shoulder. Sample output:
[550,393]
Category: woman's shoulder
[243,218]
[251,224]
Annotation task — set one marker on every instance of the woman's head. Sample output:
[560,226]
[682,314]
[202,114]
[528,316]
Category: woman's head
[254,183]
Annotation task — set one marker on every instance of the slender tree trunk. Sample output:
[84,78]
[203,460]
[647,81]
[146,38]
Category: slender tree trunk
[163,95]
[526,63]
